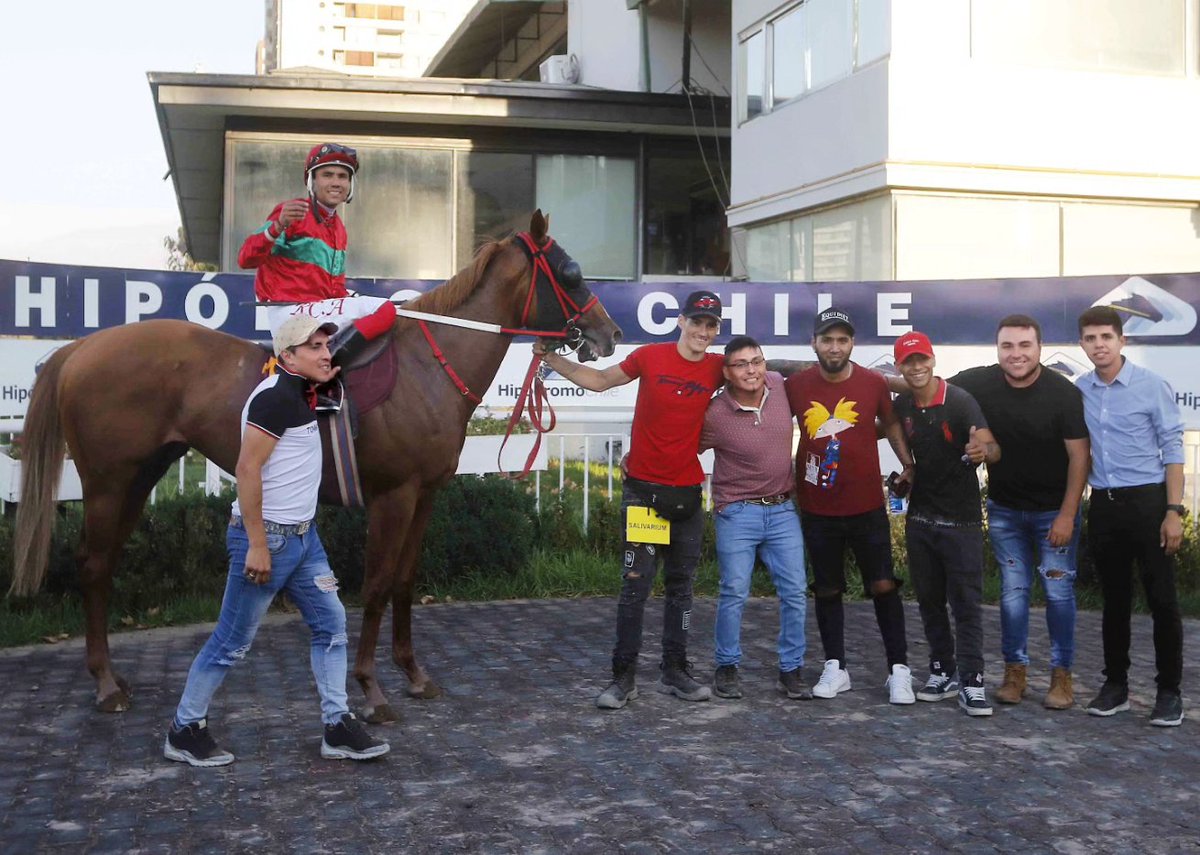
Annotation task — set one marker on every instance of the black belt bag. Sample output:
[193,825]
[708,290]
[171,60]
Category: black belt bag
[672,503]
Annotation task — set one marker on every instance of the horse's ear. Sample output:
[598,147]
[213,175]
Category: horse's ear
[539,226]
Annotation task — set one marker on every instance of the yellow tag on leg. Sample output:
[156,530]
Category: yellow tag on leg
[643,525]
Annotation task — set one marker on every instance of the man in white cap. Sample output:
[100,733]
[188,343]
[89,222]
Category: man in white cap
[273,546]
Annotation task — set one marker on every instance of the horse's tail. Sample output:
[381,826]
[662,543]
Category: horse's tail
[41,466]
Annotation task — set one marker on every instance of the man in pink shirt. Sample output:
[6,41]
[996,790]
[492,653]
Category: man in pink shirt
[749,427]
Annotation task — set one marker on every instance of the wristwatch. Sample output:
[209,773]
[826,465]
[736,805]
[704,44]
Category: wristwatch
[1179,509]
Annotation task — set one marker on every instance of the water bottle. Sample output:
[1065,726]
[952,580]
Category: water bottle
[897,501]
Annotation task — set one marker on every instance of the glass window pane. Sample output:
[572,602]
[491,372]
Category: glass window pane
[787,55]
[768,253]
[262,174]
[874,27]
[950,237]
[592,202]
[495,196]
[684,219]
[753,54]
[852,243]
[1147,36]
[830,41]
[1101,239]
[400,220]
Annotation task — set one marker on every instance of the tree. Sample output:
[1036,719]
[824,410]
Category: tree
[178,257]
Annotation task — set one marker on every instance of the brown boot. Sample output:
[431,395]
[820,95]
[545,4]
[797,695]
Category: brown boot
[1013,688]
[1061,695]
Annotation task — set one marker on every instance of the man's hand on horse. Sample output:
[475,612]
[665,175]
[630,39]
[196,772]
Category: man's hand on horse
[258,565]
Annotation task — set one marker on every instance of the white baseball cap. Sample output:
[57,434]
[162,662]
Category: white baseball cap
[298,329]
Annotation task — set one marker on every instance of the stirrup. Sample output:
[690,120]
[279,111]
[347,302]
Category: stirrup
[330,396]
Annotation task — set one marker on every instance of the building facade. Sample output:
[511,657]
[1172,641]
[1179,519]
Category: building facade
[946,139]
[388,39]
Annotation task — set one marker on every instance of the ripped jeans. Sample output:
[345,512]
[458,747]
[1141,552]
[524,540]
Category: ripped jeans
[1019,544]
[298,566]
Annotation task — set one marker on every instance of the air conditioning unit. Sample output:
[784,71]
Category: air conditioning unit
[560,69]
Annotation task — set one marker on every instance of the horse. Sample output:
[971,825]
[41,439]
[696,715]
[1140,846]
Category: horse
[129,401]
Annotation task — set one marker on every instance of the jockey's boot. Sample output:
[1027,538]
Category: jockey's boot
[345,345]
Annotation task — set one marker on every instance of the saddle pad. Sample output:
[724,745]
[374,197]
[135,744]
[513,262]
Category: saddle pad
[371,385]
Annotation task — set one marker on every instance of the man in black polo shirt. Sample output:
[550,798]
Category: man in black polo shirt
[949,438]
[273,546]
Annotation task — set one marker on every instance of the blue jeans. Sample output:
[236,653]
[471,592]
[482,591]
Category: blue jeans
[744,531]
[1019,544]
[298,566]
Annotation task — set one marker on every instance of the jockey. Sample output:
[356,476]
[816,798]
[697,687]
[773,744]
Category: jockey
[300,256]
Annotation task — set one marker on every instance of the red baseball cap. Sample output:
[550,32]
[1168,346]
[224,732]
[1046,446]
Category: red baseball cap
[910,343]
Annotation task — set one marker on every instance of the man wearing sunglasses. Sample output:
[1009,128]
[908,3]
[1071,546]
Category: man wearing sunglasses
[300,258]
[749,427]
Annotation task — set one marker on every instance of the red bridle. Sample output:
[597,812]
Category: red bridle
[533,395]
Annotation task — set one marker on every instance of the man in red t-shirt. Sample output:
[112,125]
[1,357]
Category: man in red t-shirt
[840,493]
[677,381]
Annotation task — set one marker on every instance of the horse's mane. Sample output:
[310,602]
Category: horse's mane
[454,291]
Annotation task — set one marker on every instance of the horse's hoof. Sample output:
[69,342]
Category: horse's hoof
[426,691]
[116,702]
[382,714]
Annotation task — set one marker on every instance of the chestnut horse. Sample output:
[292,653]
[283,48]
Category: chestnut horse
[129,401]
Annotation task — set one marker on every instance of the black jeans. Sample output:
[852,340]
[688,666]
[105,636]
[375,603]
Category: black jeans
[1123,527]
[946,564]
[868,536]
[680,558]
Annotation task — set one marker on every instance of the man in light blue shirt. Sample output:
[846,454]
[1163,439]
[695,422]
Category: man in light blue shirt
[1136,511]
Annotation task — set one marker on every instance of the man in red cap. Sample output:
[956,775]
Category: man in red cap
[948,437]
[300,259]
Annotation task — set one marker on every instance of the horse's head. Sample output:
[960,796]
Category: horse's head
[561,300]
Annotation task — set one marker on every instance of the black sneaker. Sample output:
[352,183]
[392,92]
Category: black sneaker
[793,685]
[677,680]
[972,698]
[940,685]
[1112,699]
[193,744]
[1168,709]
[726,683]
[621,691]
[349,740]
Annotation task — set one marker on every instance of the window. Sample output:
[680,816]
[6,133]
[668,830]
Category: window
[685,229]
[846,243]
[358,57]
[593,201]
[495,196]
[808,46]
[377,11]
[753,54]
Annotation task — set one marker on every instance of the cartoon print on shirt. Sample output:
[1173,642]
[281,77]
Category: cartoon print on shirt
[820,423]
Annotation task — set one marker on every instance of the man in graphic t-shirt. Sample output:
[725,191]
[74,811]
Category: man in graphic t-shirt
[677,379]
[840,492]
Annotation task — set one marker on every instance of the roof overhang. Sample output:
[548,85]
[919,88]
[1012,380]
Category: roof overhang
[483,30]
[196,110]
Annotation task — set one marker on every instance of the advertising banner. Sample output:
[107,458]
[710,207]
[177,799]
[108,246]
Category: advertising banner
[42,305]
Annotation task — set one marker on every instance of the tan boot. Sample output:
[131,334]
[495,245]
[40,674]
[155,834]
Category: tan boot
[1013,688]
[1061,695]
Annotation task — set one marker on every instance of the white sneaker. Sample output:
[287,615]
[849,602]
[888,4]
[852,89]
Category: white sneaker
[834,680]
[900,685]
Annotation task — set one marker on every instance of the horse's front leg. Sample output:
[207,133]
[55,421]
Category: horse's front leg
[420,684]
[389,515]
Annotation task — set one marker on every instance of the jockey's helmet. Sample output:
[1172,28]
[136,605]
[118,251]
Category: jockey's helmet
[331,154]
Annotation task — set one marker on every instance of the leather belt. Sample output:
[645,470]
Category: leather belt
[1125,494]
[769,500]
[274,527]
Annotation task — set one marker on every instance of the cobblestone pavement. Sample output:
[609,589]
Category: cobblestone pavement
[516,758]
